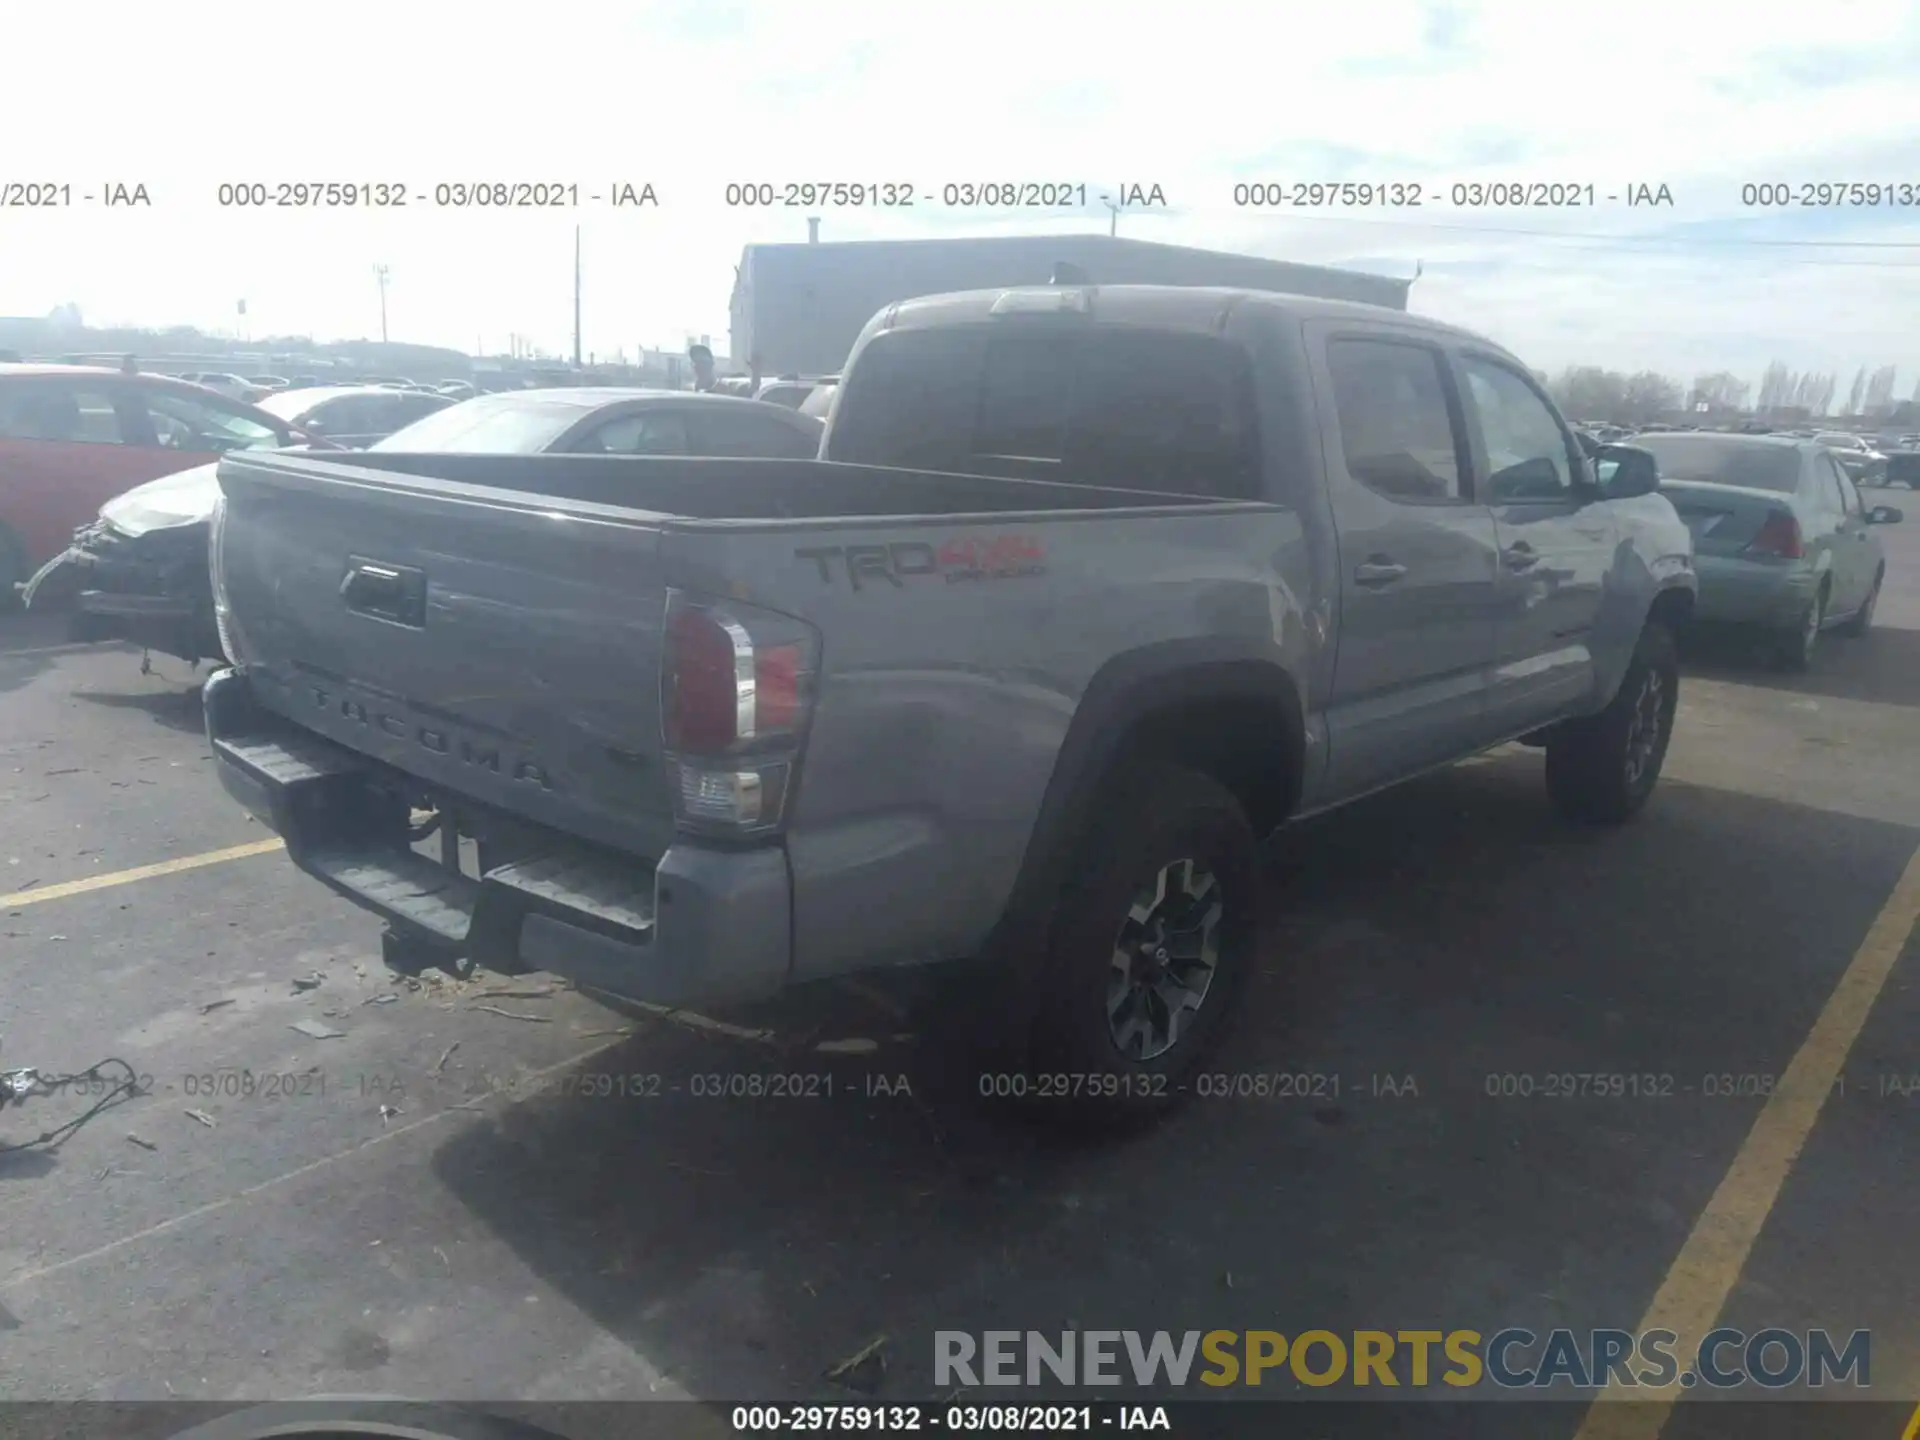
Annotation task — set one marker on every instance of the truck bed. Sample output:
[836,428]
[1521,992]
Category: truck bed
[539,589]
[675,487]
[505,663]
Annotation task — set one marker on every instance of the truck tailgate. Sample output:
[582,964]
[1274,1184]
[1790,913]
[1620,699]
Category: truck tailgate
[502,645]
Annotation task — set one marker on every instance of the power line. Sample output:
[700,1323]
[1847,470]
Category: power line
[1608,239]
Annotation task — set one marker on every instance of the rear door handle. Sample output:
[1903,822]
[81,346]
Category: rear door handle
[1520,556]
[1377,572]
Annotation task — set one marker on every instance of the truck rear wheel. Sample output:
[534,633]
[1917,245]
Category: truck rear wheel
[1602,768]
[1149,948]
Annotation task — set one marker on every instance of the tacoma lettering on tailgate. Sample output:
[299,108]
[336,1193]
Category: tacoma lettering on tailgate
[994,557]
[437,739]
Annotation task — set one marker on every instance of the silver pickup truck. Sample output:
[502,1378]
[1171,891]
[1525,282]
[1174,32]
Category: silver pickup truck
[1088,590]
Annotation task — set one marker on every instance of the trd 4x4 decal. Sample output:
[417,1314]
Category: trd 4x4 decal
[995,557]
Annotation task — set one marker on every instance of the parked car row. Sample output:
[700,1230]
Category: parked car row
[138,569]
[1783,541]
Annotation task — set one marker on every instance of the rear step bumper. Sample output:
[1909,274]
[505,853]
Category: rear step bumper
[700,926]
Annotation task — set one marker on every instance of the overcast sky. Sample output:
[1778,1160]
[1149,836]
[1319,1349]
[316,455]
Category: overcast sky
[1194,97]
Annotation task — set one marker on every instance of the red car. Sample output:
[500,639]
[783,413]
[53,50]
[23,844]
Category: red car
[72,437]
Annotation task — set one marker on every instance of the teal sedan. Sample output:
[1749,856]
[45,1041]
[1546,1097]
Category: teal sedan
[1783,543]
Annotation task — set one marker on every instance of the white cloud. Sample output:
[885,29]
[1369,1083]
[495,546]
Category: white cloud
[1192,97]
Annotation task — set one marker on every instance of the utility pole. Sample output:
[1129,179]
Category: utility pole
[1113,225]
[576,297]
[380,274]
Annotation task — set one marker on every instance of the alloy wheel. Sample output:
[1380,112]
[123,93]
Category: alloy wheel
[1165,957]
[1645,724]
[1810,627]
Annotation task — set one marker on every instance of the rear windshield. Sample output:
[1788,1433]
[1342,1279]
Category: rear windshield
[521,425]
[1132,409]
[1724,461]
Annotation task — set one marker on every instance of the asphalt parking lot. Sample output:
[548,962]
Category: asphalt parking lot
[484,1196]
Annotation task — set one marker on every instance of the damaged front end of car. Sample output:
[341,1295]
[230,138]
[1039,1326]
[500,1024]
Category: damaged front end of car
[139,572]
[149,589]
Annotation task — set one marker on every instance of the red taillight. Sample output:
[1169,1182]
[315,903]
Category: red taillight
[776,687]
[1779,536]
[702,713]
[734,677]
[736,683]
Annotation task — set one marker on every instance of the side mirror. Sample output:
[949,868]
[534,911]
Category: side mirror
[1885,515]
[1625,471]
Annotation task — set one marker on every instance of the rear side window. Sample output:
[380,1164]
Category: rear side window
[414,407]
[1849,492]
[61,411]
[645,432]
[754,436]
[1396,428]
[1830,495]
[1134,409]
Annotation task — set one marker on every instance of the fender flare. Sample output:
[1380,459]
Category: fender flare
[1129,689]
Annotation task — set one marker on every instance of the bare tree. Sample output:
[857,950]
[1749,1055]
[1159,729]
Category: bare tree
[1776,386]
[1859,389]
[1649,395]
[1720,390]
[1586,392]
[1880,391]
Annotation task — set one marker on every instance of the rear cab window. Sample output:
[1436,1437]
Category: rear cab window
[1103,405]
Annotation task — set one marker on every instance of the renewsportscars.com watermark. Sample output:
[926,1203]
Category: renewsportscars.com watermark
[1512,1359]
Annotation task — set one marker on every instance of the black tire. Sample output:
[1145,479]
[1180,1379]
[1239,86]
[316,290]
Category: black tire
[1602,768]
[1793,650]
[1861,620]
[336,1418]
[1153,818]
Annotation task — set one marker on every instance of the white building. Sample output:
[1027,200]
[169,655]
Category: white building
[797,309]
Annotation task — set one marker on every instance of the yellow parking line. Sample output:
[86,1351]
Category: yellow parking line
[139,872]
[1912,1432]
[1708,1265]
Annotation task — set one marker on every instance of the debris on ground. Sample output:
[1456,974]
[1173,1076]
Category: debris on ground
[508,993]
[387,999]
[315,1030]
[143,1144]
[847,1047]
[864,1369]
[213,1005]
[202,1116]
[514,1015]
[622,1031]
[387,1112]
[56,937]
[445,1055]
[691,1020]
[313,980]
